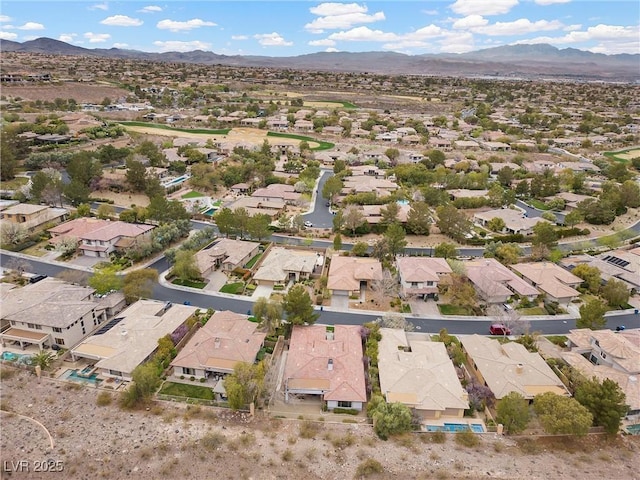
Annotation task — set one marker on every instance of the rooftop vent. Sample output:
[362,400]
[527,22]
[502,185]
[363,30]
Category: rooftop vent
[330,364]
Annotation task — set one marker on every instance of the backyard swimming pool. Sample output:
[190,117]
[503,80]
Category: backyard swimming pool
[17,357]
[176,181]
[633,429]
[210,211]
[455,428]
[74,377]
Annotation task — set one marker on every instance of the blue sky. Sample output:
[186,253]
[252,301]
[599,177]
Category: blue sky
[296,27]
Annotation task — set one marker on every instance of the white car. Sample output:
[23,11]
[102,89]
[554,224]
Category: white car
[308,224]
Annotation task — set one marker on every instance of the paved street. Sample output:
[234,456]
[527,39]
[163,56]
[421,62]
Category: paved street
[320,216]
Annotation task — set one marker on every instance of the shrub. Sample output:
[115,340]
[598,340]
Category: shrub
[434,437]
[347,411]
[287,455]
[308,429]
[103,399]
[212,441]
[467,439]
[369,467]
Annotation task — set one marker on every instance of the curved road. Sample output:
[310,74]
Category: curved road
[219,301]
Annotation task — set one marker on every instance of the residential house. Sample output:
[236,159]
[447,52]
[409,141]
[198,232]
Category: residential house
[283,265]
[303,126]
[226,339]
[349,275]
[420,276]
[226,254]
[608,270]
[99,238]
[33,217]
[240,188]
[496,146]
[605,354]
[515,221]
[373,213]
[49,312]
[495,283]
[465,193]
[466,144]
[509,367]
[419,374]
[326,362]
[628,260]
[557,283]
[440,143]
[280,191]
[273,207]
[131,338]
[366,183]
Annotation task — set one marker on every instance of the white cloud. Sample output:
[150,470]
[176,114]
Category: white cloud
[322,43]
[430,12]
[331,50]
[150,9]
[483,7]
[272,40]
[571,28]
[610,39]
[457,42]
[99,6]
[177,46]
[26,26]
[67,37]
[5,18]
[550,2]
[97,37]
[239,37]
[120,45]
[469,22]
[363,34]
[122,21]
[176,26]
[8,35]
[333,16]
[518,27]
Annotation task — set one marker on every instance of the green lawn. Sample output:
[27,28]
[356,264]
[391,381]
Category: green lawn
[532,311]
[193,194]
[534,202]
[253,261]
[184,390]
[14,183]
[189,283]
[321,145]
[165,127]
[234,288]
[614,155]
[446,309]
[559,340]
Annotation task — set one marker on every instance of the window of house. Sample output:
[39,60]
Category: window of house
[60,341]
[414,284]
[429,283]
[342,404]
[57,330]
[188,371]
[31,325]
[603,355]
[115,373]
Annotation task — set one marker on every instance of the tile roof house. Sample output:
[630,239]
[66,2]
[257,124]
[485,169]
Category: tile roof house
[373,213]
[281,265]
[607,354]
[510,367]
[495,283]
[608,270]
[226,254]
[328,364]
[31,217]
[628,260]
[515,221]
[559,284]
[347,275]
[132,337]
[49,312]
[225,340]
[367,183]
[278,191]
[98,238]
[420,276]
[419,374]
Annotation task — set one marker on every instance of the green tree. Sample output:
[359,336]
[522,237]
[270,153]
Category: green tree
[184,266]
[258,226]
[605,401]
[225,221]
[388,418]
[298,306]
[590,275]
[544,234]
[105,279]
[151,151]
[359,249]
[395,237]
[337,242]
[592,315]
[353,218]
[615,292]
[136,175]
[43,359]
[268,313]
[562,415]
[505,176]
[513,412]
[630,194]
[461,292]
[392,154]
[419,219]
[338,221]
[138,284]
[452,222]
[245,384]
[83,210]
[339,165]
[145,382]
[77,192]
[446,250]
[496,224]
[508,254]
[331,188]
[573,218]
[389,213]
[105,211]
[9,161]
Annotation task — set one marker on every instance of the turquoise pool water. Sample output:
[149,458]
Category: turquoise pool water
[633,429]
[210,211]
[455,427]
[177,180]
[74,377]
[17,357]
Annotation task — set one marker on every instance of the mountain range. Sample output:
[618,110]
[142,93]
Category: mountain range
[510,61]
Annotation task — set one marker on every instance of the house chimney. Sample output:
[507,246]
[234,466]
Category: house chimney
[519,368]
[330,364]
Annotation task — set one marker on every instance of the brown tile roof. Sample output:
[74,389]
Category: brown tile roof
[550,278]
[345,273]
[422,269]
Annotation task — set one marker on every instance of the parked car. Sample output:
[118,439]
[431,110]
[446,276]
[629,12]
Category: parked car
[499,329]
[308,224]
[328,204]
[37,278]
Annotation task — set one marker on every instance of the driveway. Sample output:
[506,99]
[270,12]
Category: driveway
[216,281]
[262,291]
[340,301]
[425,309]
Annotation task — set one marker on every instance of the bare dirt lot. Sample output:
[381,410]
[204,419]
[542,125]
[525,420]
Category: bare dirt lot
[79,91]
[175,441]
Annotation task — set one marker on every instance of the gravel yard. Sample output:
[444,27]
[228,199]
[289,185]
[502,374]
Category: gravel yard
[185,442]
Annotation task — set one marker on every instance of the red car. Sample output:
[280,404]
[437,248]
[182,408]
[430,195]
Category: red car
[499,329]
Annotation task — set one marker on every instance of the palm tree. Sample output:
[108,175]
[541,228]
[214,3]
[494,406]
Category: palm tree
[43,359]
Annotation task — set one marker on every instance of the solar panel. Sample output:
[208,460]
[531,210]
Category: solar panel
[109,325]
